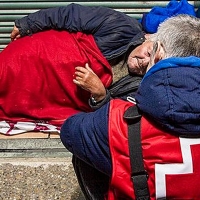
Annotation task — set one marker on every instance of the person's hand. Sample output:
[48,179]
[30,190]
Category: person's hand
[15,34]
[88,80]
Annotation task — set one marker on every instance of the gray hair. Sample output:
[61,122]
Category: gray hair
[180,36]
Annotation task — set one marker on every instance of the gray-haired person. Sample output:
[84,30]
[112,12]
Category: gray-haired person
[168,101]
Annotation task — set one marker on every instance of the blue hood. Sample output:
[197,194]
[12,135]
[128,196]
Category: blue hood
[170,94]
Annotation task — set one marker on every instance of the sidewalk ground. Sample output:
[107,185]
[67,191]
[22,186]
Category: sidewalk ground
[36,169]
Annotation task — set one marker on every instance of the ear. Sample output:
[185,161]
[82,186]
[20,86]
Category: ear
[157,54]
[147,36]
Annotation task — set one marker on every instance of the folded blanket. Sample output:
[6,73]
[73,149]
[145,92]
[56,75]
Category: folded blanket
[14,128]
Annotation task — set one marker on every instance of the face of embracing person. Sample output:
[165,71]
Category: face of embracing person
[139,58]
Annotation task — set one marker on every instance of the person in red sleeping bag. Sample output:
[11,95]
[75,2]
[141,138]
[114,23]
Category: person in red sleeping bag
[38,68]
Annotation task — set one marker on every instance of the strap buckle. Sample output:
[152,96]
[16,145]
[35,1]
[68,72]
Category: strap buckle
[132,114]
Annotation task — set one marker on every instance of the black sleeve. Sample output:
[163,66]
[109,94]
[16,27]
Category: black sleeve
[125,88]
[113,31]
[72,17]
[100,103]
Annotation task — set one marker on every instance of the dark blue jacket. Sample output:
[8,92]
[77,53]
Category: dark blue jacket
[113,31]
[170,94]
[85,135]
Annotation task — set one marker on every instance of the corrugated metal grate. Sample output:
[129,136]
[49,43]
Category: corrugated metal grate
[11,10]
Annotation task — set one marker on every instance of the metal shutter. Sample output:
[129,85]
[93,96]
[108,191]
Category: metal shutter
[11,10]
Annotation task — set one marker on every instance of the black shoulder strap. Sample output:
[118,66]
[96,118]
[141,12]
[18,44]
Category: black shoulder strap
[139,175]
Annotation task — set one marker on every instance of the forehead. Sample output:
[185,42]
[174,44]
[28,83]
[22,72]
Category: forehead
[145,46]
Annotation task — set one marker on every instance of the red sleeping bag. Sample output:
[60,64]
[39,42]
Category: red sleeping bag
[37,72]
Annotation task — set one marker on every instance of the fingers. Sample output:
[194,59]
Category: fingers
[84,75]
[76,82]
[88,68]
[85,78]
[79,75]
[80,82]
[80,70]
[15,33]
[83,71]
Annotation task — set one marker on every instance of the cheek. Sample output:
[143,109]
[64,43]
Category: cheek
[135,70]
[132,63]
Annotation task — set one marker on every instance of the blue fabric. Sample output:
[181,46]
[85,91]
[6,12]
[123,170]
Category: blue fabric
[172,62]
[85,135]
[198,13]
[157,15]
[170,94]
